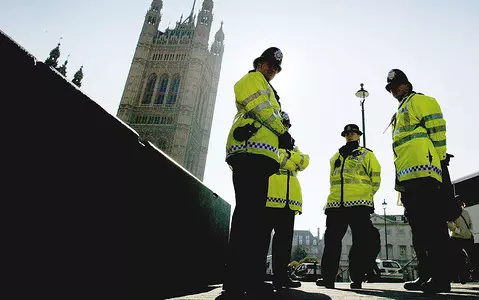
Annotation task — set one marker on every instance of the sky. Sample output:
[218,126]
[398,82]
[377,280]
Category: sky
[329,48]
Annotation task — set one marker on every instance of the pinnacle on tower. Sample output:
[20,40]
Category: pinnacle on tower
[52,60]
[220,35]
[78,77]
[63,68]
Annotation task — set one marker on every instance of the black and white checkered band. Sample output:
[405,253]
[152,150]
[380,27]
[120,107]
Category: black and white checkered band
[419,169]
[283,201]
[333,204]
[254,145]
[350,203]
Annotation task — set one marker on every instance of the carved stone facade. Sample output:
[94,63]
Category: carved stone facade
[170,93]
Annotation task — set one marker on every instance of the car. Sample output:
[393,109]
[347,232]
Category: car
[390,270]
[307,272]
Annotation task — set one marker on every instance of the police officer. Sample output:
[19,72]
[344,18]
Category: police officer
[355,178]
[419,146]
[283,203]
[253,155]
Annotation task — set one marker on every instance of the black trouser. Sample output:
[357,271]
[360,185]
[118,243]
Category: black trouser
[281,220]
[374,247]
[424,210]
[459,269]
[246,261]
[337,221]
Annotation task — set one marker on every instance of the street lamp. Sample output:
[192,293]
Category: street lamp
[385,227]
[363,94]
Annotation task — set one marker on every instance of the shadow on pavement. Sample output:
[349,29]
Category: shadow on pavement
[400,295]
[175,293]
[297,294]
[284,295]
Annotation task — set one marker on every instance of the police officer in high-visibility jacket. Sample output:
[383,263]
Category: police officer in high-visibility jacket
[252,152]
[283,203]
[354,178]
[419,147]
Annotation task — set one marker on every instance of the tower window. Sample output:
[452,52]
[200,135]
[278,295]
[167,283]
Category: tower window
[150,87]
[162,90]
[173,93]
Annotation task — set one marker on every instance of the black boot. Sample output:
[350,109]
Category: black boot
[415,285]
[326,283]
[433,286]
[356,285]
[286,284]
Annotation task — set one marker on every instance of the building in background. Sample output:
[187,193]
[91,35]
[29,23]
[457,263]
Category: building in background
[312,245]
[170,92]
[305,242]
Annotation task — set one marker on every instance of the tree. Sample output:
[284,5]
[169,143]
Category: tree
[310,259]
[299,253]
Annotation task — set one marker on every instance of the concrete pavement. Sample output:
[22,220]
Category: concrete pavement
[371,291]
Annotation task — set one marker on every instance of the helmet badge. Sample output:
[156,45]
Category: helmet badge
[278,55]
[391,75]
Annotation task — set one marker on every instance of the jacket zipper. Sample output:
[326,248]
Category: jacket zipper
[342,182]
[287,191]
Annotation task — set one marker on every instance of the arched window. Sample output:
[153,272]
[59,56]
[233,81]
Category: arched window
[162,89]
[174,87]
[150,88]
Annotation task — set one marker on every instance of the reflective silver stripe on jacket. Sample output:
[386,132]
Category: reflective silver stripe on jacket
[255,95]
[262,106]
[273,117]
[351,181]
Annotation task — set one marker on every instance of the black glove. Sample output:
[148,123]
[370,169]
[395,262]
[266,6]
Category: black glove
[286,141]
[447,160]
[444,166]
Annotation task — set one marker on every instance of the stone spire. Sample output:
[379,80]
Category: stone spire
[52,60]
[63,68]
[217,48]
[78,77]
[220,35]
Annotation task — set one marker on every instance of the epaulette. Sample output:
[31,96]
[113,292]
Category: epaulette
[367,149]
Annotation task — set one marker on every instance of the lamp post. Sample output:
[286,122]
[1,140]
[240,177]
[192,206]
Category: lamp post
[385,227]
[363,94]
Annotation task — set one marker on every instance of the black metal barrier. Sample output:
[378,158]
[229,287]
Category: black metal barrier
[90,211]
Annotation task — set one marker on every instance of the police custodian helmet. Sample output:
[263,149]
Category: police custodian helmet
[273,55]
[396,77]
[351,128]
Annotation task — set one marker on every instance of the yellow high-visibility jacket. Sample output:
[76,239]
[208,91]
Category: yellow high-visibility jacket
[419,139]
[284,187]
[354,180]
[256,104]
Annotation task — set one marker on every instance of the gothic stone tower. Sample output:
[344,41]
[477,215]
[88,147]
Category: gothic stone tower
[170,93]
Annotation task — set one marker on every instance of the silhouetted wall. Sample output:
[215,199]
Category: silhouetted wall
[92,212]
